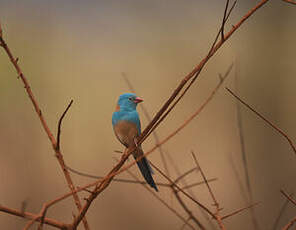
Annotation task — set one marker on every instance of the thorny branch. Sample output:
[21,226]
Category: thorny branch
[53,141]
[117,169]
[217,216]
[196,71]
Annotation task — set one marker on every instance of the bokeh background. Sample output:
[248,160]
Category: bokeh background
[79,49]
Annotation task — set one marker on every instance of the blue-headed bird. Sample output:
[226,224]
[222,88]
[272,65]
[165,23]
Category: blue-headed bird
[127,127]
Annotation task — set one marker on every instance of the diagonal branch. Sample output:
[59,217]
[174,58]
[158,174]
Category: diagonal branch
[290,224]
[290,1]
[288,197]
[264,119]
[224,20]
[31,216]
[239,210]
[196,71]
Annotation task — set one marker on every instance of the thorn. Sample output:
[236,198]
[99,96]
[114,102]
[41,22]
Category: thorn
[16,60]
[117,151]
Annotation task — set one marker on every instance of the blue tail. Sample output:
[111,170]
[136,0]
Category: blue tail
[145,169]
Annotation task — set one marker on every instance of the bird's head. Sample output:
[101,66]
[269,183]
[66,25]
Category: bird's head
[128,101]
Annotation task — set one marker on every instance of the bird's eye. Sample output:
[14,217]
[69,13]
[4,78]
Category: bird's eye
[130,98]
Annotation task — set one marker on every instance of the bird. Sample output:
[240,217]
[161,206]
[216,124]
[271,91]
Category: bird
[127,128]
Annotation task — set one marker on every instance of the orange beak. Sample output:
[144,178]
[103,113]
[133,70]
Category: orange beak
[138,100]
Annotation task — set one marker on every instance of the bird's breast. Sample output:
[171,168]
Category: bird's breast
[126,132]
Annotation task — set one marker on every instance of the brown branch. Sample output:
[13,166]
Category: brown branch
[283,208]
[115,179]
[205,180]
[31,216]
[182,191]
[44,124]
[196,71]
[217,216]
[290,1]
[288,197]
[188,187]
[290,224]
[198,183]
[185,174]
[102,185]
[239,210]
[196,74]
[264,119]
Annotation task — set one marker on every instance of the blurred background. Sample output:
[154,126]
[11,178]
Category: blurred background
[79,49]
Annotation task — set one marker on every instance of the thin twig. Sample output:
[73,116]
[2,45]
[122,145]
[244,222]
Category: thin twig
[288,197]
[60,125]
[190,192]
[217,216]
[115,179]
[283,208]
[243,153]
[186,174]
[199,183]
[290,1]
[31,216]
[239,210]
[223,21]
[265,119]
[182,191]
[205,180]
[290,224]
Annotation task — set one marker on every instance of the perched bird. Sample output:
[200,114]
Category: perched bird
[127,127]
